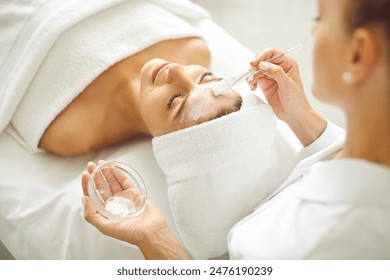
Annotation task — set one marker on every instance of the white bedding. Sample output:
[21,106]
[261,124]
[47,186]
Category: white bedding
[41,215]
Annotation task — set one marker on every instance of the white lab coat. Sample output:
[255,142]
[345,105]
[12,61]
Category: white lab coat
[326,209]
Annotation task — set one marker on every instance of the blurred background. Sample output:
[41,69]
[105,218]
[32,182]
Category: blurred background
[282,24]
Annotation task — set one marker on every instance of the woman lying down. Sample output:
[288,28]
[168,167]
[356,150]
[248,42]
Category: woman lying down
[124,101]
[213,154]
[215,150]
[217,172]
[213,175]
[118,69]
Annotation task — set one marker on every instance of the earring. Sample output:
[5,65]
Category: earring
[347,77]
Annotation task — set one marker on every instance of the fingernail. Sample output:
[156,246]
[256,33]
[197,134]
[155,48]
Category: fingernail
[83,201]
[264,65]
[250,78]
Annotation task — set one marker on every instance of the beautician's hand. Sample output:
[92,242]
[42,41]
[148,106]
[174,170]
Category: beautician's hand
[149,231]
[282,86]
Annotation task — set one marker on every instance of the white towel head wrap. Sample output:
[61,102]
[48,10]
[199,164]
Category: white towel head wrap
[63,46]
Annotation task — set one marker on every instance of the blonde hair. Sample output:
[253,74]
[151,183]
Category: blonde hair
[228,110]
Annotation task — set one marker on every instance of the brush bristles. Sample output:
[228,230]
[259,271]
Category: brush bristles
[219,87]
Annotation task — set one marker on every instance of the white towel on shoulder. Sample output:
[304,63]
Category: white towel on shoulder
[62,46]
[217,173]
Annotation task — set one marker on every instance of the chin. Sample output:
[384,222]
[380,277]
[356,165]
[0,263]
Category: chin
[146,73]
[317,95]
[154,62]
[322,96]
[148,67]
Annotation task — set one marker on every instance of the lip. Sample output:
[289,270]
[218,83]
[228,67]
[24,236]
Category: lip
[157,69]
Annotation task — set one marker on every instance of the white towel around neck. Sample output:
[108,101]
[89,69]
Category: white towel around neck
[217,173]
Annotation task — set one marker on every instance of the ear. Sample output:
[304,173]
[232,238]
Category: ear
[362,54]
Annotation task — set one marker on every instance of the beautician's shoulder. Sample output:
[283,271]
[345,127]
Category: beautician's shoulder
[318,217]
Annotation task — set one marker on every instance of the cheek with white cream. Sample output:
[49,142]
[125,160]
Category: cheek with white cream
[201,103]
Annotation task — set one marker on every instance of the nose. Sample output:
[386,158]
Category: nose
[177,74]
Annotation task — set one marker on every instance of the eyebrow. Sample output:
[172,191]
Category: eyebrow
[183,103]
[213,80]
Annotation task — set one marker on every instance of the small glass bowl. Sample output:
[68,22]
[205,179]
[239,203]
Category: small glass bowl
[117,190]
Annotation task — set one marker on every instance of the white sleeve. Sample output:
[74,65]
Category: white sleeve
[332,134]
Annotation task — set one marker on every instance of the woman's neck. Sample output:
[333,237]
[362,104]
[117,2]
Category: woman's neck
[368,130]
[121,110]
[127,97]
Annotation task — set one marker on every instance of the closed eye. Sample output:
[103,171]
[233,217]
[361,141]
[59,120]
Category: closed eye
[201,80]
[207,74]
[204,75]
[170,101]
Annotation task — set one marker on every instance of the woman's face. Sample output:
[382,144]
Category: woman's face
[329,50]
[174,96]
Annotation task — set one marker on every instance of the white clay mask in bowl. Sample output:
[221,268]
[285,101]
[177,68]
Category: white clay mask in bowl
[117,190]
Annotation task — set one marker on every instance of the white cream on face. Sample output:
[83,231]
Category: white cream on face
[200,103]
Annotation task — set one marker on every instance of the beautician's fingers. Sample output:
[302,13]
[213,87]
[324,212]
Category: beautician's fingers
[111,179]
[272,56]
[274,72]
[103,180]
[252,84]
[84,182]
[91,167]
[268,55]
[282,86]
[92,216]
[123,180]
[253,79]
[89,207]
[102,186]
[122,230]
[269,72]
[139,200]
[134,195]
[85,177]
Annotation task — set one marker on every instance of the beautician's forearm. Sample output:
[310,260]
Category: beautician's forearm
[309,128]
[163,245]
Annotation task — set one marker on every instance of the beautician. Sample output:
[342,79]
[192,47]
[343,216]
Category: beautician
[336,203]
